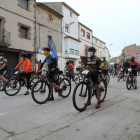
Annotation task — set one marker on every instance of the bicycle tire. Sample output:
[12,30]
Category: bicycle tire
[76,82]
[33,92]
[7,85]
[119,77]
[101,90]
[1,85]
[65,87]
[128,82]
[108,79]
[87,94]
[32,82]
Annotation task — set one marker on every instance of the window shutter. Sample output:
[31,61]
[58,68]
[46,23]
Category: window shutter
[24,4]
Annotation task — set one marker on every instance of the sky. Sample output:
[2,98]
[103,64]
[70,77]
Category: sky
[115,22]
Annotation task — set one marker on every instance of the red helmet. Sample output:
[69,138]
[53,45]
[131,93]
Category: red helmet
[132,57]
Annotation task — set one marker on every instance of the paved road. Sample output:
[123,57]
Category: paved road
[117,119]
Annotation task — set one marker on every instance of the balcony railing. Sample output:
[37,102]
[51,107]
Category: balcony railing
[5,38]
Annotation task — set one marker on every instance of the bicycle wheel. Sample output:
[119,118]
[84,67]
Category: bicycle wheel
[76,79]
[33,81]
[119,77]
[103,90]
[65,85]
[113,75]
[41,95]
[128,82]
[12,87]
[133,82]
[124,78]
[1,85]
[108,79]
[61,76]
[81,96]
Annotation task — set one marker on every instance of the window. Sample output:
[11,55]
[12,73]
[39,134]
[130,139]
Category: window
[82,32]
[70,14]
[76,52]
[23,32]
[71,62]
[66,29]
[88,35]
[24,4]
[72,51]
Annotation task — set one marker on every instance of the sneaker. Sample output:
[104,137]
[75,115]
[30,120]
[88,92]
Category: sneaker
[97,106]
[27,92]
[51,98]
[89,103]
[135,87]
[60,92]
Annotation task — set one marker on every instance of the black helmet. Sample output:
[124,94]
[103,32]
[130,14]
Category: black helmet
[24,55]
[91,48]
[46,48]
[67,63]
[1,54]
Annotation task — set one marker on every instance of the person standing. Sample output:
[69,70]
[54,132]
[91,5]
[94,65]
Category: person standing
[3,68]
[27,69]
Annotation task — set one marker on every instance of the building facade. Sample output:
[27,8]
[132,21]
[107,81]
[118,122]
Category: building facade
[17,30]
[48,27]
[100,46]
[85,36]
[70,40]
[107,54]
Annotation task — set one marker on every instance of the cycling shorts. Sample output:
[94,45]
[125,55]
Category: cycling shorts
[53,77]
[134,72]
[95,78]
[125,70]
[105,72]
[3,72]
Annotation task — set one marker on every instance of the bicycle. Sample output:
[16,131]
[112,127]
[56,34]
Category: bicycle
[114,73]
[130,79]
[83,92]
[120,75]
[79,72]
[7,76]
[14,84]
[74,77]
[104,76]
[42,94]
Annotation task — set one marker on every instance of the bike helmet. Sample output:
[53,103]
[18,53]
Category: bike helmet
[104,57]
[1,54]
[24,55]
[91,48]
[46,48]
[67,63]
[132,58]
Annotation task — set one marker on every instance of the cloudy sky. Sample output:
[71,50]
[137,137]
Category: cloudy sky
[115,22]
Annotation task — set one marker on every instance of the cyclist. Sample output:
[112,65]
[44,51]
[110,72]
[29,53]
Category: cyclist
[126,65]
[105,68]
[70,68]
[27,69]
[53,69]
[3,68]
[93,63]
[38,63]
[115,69]
[134,66]
[111,68]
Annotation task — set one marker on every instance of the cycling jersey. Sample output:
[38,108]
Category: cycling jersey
[3,61]
[133,64]
[50,62]
[26,65]
[105,65]
[70,67]
[126,65]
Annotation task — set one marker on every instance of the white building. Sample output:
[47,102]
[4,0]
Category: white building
[107,54]
[70,41]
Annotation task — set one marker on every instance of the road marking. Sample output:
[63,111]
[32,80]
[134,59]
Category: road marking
[74,111]
[3,113]
[48,103]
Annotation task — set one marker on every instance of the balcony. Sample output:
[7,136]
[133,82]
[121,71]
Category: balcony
[5,38]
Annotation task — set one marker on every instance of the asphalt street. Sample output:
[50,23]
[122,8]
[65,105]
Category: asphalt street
[117,119]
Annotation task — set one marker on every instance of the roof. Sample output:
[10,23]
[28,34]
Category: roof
[49,9]
[85,26]
[99,39]
[67,7]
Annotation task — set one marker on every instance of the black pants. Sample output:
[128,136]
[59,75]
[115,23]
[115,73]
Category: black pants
[28,76]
